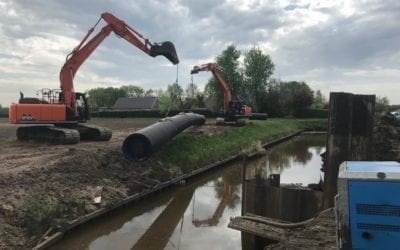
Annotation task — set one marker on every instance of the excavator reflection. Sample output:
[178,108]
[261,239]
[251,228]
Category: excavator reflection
[164,221]
[160,231]
[214,219]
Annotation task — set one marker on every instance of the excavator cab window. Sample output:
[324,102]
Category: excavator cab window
[83,108]
[166,49]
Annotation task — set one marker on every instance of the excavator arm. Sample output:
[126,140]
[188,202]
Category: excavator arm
[219,76]
[85,48]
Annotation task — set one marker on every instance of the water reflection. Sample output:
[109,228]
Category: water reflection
[294,160]
[261,195]
[196,215]
[160,231]
[176,219]
[227,191]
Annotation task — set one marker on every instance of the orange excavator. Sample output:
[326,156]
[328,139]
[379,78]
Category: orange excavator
[234,108]
[59,115]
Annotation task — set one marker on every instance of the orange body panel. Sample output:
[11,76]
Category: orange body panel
[36,113]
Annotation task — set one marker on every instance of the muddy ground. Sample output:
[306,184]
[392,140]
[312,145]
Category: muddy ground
[39,181]
[61,182]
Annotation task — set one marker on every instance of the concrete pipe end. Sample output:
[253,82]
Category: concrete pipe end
[137,147]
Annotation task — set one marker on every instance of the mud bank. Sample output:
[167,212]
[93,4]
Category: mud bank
[43,188]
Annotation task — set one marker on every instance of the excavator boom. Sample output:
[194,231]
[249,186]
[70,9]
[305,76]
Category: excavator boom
[67,109]
[219,76]
[234,109]
[85,48]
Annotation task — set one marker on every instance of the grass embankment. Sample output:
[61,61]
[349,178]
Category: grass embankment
[189,151]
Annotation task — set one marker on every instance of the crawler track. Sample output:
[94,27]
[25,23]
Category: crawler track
[94,133]
[48,134]
[59,135]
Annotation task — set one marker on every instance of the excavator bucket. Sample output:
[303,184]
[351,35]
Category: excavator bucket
[166,49]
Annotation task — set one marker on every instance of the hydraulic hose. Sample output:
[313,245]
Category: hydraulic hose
[271,222]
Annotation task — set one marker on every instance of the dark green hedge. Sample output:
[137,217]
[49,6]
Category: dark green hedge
[3,115]
[148,113]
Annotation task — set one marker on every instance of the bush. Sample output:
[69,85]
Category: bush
[149,113]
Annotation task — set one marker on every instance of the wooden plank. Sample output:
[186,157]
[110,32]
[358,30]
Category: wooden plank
[257,229]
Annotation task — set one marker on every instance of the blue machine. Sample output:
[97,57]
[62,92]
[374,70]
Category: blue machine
[368,205]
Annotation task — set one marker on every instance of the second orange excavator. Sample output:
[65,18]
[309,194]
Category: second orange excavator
[58,116]
[234,108]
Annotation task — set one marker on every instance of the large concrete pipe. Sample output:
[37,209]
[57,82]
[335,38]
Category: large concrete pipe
[140,145]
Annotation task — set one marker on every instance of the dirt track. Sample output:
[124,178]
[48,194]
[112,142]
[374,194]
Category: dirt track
[64,180]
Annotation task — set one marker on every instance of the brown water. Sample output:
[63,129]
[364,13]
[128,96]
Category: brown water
[196,215]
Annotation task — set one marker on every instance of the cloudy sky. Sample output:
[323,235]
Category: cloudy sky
[351,46]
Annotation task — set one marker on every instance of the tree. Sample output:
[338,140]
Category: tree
[228,63]
[164,103]
[149,92]
[382,104]
[257,70]
[200,100]
[3,110]
[170,99]
[319,101]
[104,97]
[133,91]
[296,96]
[191,96]
[175,92]
[273,101]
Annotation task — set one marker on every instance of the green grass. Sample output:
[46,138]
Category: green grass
[190,151]
[41,212]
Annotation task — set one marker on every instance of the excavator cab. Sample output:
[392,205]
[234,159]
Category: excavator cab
[166,49]
[83,108]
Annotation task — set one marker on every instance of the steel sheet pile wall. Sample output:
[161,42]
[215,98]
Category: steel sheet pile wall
[140,145]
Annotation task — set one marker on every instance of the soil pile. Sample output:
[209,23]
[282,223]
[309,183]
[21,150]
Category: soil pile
[66,186]
[43,187]
[386,138]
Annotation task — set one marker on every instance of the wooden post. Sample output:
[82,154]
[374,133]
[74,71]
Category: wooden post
[350,127]
[338,143]
[362,127]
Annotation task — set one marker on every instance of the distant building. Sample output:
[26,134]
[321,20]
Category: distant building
[136,103]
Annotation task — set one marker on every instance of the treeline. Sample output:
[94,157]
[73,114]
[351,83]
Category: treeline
[173,98]
[3,112]
[251,81]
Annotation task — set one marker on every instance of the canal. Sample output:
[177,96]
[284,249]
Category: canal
[195,215]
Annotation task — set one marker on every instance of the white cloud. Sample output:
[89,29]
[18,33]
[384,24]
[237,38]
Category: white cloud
[332,45]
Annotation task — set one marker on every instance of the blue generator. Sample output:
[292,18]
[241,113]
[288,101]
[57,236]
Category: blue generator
[368,205]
